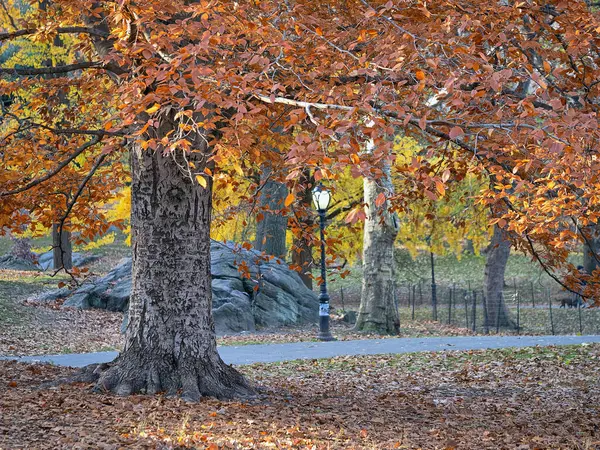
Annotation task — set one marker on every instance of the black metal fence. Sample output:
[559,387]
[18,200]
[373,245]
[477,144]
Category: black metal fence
[533,308]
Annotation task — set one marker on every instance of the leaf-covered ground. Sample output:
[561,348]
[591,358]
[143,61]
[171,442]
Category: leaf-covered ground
[515,399]
[29,329]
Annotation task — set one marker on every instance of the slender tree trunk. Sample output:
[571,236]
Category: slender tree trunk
[170,340]
[377,310]
[433,286]
[302,257]
[468,247]
[62,250]
[497,256]
[591,249]
[302,252]
[271,230]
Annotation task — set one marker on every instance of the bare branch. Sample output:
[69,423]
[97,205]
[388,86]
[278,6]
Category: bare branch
[585,240]
[413,121]
[100,133]
[62,30]
[343,209]
[546,268]
[33,71]
[56,170]
[7,12]
[301,104]
[71,204]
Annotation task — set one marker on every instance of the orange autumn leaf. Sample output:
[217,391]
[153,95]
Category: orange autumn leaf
[289,199]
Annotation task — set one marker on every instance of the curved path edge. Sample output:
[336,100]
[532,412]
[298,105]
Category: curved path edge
[267,353]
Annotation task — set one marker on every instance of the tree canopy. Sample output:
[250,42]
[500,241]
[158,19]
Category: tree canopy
[513,86]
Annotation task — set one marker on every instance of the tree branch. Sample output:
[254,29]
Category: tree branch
[585,240]
[413,121]
[545,267]
[33,71]
[71,204]
[7,12]
[99,133]
[53,172]
[343,209]
[62,30]
[302,104]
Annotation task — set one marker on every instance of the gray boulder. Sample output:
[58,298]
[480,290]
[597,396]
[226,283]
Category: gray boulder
[46,260]
[350,317]
[281,297]
[12,262]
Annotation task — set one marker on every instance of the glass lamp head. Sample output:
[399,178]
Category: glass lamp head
[321,198]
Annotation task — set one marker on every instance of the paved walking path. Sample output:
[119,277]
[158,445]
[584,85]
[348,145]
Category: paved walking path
[248,354]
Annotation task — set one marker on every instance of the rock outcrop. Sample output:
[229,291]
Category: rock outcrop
[45,261]
[12,262]
[269,293]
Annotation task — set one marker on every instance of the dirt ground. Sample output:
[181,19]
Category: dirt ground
[536,398]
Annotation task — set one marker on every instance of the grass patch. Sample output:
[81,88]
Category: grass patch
[15,286]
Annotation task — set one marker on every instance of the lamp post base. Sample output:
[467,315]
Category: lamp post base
[324,334]
[325,337]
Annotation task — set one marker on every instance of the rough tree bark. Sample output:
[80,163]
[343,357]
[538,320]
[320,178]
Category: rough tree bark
[377,310]
[497,255]
[170,340]
[271,230]
[62,250]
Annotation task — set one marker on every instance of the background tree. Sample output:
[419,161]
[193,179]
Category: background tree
[378,310]
[497,255]
[23,52]
[271,229]
[302,227]
[272,221]
[437,219]
[591,248]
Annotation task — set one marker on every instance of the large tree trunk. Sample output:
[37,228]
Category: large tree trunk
[497,256]
[170,340]
[271,230]
[378,312]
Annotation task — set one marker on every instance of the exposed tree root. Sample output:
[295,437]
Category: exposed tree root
[191,380]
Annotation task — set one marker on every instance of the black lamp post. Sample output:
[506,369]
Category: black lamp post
[321,199]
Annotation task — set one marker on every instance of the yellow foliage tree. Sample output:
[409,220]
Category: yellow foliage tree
[439,218]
